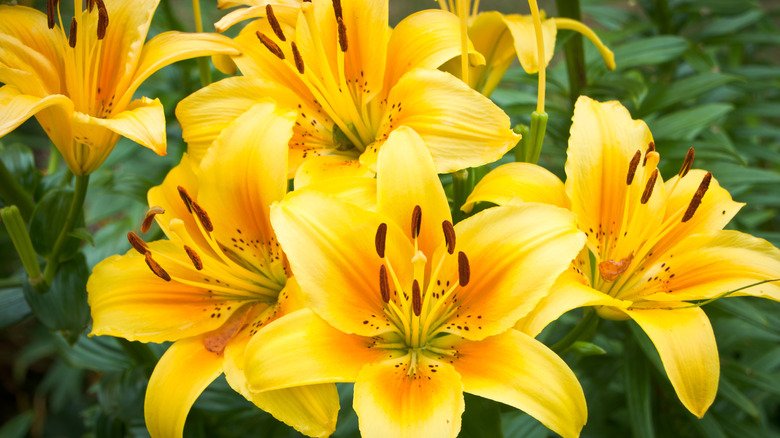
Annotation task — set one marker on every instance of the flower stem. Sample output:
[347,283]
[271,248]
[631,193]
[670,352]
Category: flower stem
[463,182]
[203,63]
[80,193]
[589,321]
[13,193]
[575,56]
[20,238]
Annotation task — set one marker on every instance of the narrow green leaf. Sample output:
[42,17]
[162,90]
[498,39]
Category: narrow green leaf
[13,307]
[649,51]
[638,397]
[18,426]
[663,96]
[482,418]
[730,392]
[46,223]
[708,426]
[686,124]
[83,234]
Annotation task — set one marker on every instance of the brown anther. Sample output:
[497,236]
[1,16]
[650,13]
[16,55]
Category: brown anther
[384,286]
[194,257]
[416,221]
[649,187]
[203,217]
[464,272]
[611,270]
[297,57]
[449,235]
[137,243]
[149,218]
[156,268]
[51,12]
[342,34]
[416,298]
[270,45]
[269,14]
[650,148]
[337,9]
[90,5]
[185,197]
[380,239]
[72,34]
[697,197]
[632,167]
[687,163]
[102,19]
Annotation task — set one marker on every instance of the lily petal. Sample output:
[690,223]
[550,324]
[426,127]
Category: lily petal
[16,108]
[514,182]
[318,169]
[392,403]
[515,369]
[357,190]
[686,344]
[330,245]
[143,122]
[524,35]
[472,133]
[182,373]
[406,177]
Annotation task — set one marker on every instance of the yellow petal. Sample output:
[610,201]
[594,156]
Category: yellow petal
[426,39]
[686,344]
[167,196]
[514,182]
[522,29]
[182,373]
[515,254]
[461,127]
[571,290]
[302,349]
[16,108]
[368,33]
[515,369]
[23,67]
[491,38]
[357,190]
[327,167]
[406,177]
[330,245]
[391,403]
[282,10]
[143,122]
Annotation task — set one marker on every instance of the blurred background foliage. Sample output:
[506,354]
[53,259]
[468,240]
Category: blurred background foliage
[701,73]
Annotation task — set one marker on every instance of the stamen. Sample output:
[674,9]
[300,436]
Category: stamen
[380,239]
[649,187]
[269,14]
[72,35]
[204,218]
[416,221]
[51,12]
[416,298]
[696,201]
[632,167]
[650,148]
[337,9]
[464,273]
[449,235]
[90,5]
[137,243]
[156,268]
[185,197]
[149,218]
[102,18]
[384,286]
[194,257]
[270,45]
[342,34]
[297,57]
[687,163]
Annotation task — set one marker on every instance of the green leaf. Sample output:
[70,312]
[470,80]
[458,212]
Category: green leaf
[13,307]
[583,348]
[64,306]
[638,392]
[708,426]
[82,234]
[519,424]
[663,96]
[18,426]
[649,51]
[19,160]
[47,220]
[686,124]
[481,418]
[97,353]
[768,382]
[730,392]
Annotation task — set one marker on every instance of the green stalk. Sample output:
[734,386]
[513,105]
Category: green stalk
[20,238]
[12,193]
[589,320]
[203,63]
[80,193]
[521,149]
[463,182]
[575,55]
[538,129]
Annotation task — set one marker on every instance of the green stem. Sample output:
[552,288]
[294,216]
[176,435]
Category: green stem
[521,149]
[203,63]
[463,182]
[589,320]
[20,238]
[80,193]
[575,55]
[10,283]
[538,129]
[12,193]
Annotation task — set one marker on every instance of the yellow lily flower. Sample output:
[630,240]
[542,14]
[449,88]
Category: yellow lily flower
[353,81]
[411,314]
[217,280]
[656,245]
[501,38]
[78,80]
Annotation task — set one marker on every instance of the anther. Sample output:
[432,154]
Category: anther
[650,148]
[697,197]
[194,257]
[649,187]
[380,239]
[270,45]
[416,298]
[185,197]
[687,163]
[297,57]
[464,272]
[156,268]
[416,221]
[449,235]
[72,34]
[337,9]
[51,12]
[137,243]
[342,34]
[632,167]
[90,5]
[102,19]
[204,218]
[269,14]
[149,218]
[384,286]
